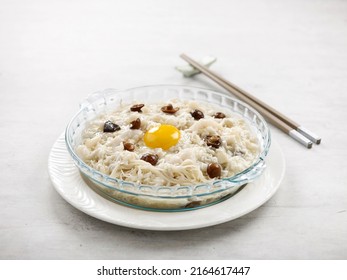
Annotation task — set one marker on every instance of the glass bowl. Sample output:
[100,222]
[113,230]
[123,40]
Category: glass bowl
[163,198]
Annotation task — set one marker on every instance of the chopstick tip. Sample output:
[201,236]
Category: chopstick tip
[300,138]
[310,135]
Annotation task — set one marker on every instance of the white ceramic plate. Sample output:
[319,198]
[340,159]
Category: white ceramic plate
[70,185]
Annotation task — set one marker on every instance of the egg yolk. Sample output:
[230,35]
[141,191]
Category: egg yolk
[164,136]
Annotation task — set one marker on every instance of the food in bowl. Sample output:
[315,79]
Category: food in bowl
[179,143]
[175,148]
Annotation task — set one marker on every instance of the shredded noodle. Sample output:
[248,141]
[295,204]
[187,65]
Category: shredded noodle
[183,164]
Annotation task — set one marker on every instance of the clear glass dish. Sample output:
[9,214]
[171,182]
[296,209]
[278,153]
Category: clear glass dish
[163,198]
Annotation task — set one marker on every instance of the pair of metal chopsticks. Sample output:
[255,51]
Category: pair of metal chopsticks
[288,126]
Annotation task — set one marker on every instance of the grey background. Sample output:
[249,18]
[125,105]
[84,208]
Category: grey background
[291,54]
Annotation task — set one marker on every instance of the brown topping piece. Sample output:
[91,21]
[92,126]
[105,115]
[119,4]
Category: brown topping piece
[214,141]
[111,127]
[152,159]
[128,146]
[136,124]
[214,170]
[197,115]
[137,108]
[169,109]
[219,115]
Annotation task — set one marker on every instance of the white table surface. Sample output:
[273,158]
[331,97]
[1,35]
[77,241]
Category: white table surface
[291,54]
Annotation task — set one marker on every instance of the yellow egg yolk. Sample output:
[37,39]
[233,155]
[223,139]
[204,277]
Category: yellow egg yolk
[164,136]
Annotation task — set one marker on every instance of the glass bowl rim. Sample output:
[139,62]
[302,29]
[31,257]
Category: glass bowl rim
[260,158]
